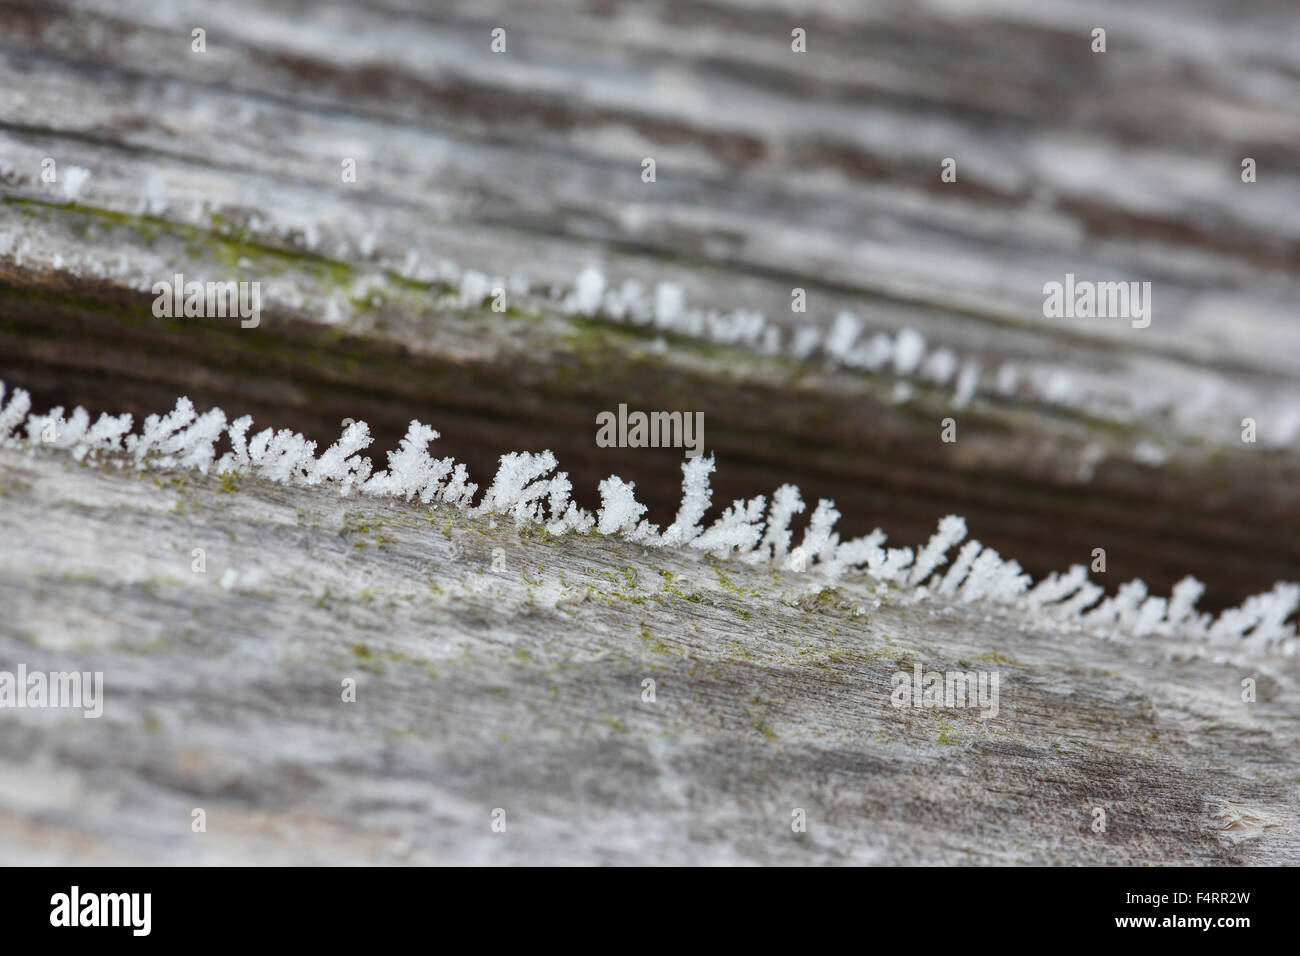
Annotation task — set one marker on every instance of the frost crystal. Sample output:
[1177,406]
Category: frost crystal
[517,488]
[1087,595]
[818,542]
[738,529]
[282,456]
[236,459]
[619,509]
[159,430]
[952,529]
[896,562]
[982,572]
[857,553]
[194,447]
[939,367]
[1008,584]
[588,291]
[844,332]
[74,177]
[909,348]
[786,503]
[459,491]
[966,384]
[1056,586]
[522,488]
[411,470]
[669,303]
[960,568]
[339,462]
[1273,609]
[696,497]
[105,437]
[12,414]
[1122,608]
[1149,615]
[1182,603]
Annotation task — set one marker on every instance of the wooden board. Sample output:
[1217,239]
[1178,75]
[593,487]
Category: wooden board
[775,170]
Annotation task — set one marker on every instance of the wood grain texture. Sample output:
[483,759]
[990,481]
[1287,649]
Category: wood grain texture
[774,170]
[522,690]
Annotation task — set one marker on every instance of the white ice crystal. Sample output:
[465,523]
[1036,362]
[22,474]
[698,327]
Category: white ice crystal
[1086,595]
[588,291]
[525,488]
[668,305]
[806,340]
[236,460]
[909,348]
[939,367]
[520,486]
[842,335]
[738,529]
[966,384]
[14,412]
[460,490]
[1008,377]
[74,177]
[1262,615]
[1057,586]
[860,552]
[1274,607]
[1150,613]
[411,470]
[1122,609]
[1182,602]
[786,503]
[620,511]
[46,429]
[818,540]
[846,339]
[952,529]
[105,436]
[696,498]
[282,456]
[1008,584]
[340,462]
[897,561]
[960,568]
[874,354]
[983,570]
[565,515]
[474,288]
[158,430]
[195,447]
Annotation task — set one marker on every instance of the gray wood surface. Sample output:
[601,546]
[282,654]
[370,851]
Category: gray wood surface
[775,171]
[522,690]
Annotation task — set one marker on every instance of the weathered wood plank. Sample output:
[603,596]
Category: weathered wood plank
[521,689]
[822,172]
